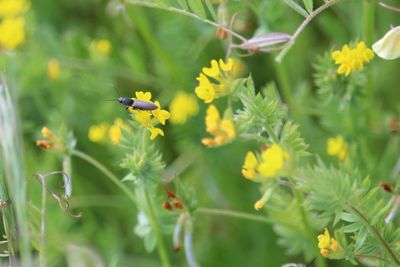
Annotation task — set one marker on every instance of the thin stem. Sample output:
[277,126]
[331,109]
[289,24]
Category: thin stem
[234,214]
[42,245]
[369,23]
[156,227]
[377,234]
[303,26]
[307,225]
[389,7]
[107,172]
[283,80]
[186,13]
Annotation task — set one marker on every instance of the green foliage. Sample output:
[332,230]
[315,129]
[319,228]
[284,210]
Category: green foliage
[259,113]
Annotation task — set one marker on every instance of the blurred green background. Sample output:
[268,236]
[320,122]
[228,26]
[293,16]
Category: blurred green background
[162,52]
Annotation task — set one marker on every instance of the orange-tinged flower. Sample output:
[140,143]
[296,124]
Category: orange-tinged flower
[222,130]
[327,245]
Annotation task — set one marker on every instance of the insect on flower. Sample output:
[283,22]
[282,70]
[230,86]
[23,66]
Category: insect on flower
[137,104]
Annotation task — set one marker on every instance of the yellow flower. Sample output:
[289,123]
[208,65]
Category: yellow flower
[327,244]
[222,130]
[53,69]
[12,8]
[352,59]
[337,147]
[270,163]
[389,46]
[97,133]
[155,132]
[161,114]
[259,205]
[182,107]
[221,74]
[47,133]
[147,118]
[115,133]
[249,166]
[100,48]
[12,32]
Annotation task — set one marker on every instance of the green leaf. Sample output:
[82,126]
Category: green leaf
[211,9]
[197,7]
[183,4]
[297,7]
[309,5]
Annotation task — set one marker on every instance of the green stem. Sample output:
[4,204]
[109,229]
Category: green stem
[107,172]
[234,214]
[161,249]
[156,227]
[377,234]
[307,225]
[369,23]
[42,244]
[284,83]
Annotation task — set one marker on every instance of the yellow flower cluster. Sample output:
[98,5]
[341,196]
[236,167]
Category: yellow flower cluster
[98,133]
[336,146]
[223,130]
[182,107]
[215,81]
[269,163]
[352,59]
[149,119]
[100,49]
[327,244]
[53,69]
[12,25]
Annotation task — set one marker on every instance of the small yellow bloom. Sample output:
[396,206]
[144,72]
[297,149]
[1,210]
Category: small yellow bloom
[12,32]
[155,132]
[221,74]
[161,114]
[182,107]
[389,46]
[352,59]
[97,133]
[222,130]
[249,166]
[337,147]
[115,133]
[47,133]
[327,244]
[259,205]
[148,119]
[100,48]
[12,8]
[53,69]
[272,161]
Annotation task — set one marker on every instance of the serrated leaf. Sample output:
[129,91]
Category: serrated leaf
[197,7]
[348,217]
[308,5]
[211,9]
[351,228]
[183,4]
[296,7]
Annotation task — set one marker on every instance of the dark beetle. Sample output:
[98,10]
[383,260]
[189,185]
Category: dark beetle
[137,104]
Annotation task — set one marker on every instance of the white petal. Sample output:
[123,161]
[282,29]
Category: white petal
[389,46]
